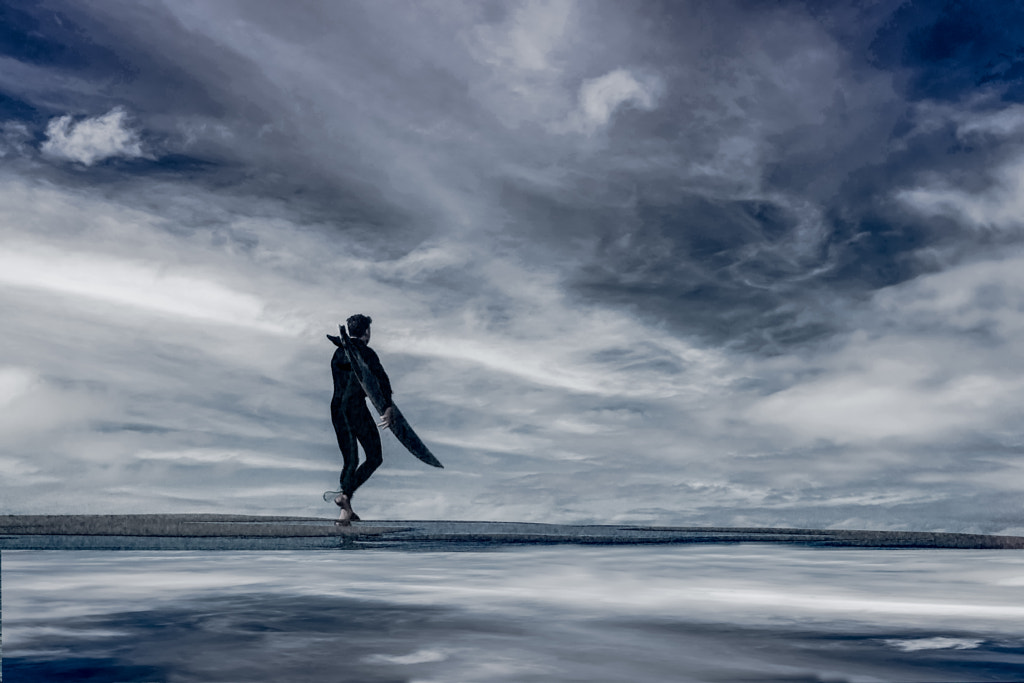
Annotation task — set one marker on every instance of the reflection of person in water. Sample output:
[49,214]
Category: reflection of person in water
[352,420]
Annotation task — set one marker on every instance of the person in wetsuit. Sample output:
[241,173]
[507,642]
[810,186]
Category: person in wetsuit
[353,422]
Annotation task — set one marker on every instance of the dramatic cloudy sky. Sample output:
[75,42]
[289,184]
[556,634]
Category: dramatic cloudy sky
[694,262]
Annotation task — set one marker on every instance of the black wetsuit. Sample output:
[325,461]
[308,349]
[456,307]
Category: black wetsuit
[352,420]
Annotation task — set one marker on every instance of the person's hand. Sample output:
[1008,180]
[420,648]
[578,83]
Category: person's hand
[385,419]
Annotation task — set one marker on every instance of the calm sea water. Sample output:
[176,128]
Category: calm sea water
[564,613]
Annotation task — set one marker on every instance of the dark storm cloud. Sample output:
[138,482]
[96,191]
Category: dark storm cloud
[694,209]
[708,212]
[761,251]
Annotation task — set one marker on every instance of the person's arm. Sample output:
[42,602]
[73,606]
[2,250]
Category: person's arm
[385,386]
[373,362]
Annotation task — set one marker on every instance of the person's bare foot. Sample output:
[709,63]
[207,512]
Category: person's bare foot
[345,503]
[342,501]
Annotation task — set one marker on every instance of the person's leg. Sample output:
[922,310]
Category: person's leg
[365,428]
[346,434]
[343,429]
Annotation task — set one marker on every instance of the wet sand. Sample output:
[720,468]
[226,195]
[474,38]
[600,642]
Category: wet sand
[244,532]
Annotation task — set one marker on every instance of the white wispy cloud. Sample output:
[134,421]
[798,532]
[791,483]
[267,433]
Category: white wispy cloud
[14,138]
[151,286]
[92,140]
[920,379]
[14,382]
[991,198]
[600,98]
[524,59]
[1001,122]
[891,394]
[528,37]
[213,456]
[1000,206]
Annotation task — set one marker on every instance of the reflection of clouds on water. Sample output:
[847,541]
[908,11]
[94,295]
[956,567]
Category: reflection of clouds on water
[418,657]
[937,643]
[528,614]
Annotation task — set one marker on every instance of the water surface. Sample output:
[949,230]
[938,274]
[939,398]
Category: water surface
[560,613]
